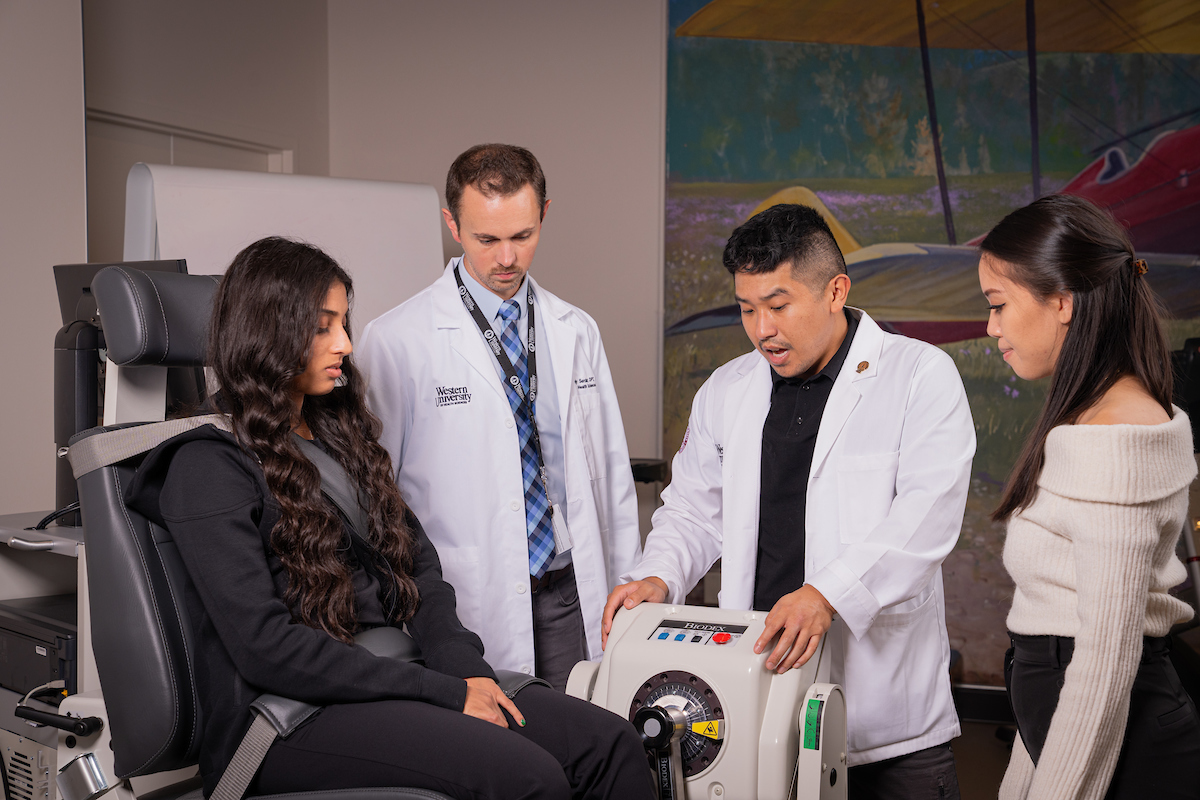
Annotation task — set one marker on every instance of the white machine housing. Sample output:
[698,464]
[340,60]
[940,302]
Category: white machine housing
[782,736]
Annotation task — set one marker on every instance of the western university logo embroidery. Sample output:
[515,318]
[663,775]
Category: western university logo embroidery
[451,395]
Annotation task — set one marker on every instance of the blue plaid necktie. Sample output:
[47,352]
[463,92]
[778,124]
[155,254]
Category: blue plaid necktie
[537,504]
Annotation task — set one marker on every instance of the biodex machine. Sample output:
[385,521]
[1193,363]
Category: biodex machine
[716,723]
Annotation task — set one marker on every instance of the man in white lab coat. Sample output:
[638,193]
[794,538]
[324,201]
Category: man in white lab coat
[534,516]
[829,471]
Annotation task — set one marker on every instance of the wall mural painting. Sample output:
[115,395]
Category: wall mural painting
[835,104]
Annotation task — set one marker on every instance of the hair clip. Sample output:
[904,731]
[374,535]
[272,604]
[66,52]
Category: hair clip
[1139,266]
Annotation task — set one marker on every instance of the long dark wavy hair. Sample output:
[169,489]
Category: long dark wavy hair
[265,315]
[1062,243]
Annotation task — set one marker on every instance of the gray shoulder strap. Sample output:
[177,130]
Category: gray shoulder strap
[246,761]
[336,485]
[110,447]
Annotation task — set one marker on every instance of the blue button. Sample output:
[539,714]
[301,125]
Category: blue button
[679,637]
[663,635]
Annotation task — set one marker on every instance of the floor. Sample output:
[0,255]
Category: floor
[980,758]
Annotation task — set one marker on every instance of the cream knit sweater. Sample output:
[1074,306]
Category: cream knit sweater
[1093,557]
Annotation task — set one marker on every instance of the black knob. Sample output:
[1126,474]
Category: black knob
[655,726]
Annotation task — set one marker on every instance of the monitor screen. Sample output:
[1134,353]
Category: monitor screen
[79,366]
[74,282]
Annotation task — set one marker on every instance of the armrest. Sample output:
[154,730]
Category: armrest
[284,714]
[512,682]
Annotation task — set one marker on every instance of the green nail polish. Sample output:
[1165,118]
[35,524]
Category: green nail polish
[521,723]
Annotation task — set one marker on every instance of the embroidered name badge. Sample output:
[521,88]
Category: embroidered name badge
[451,395]
[586,383]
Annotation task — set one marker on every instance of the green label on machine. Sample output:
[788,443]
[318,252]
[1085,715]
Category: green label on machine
[812,724]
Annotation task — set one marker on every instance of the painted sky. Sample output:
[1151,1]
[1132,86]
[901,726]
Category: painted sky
[774,111]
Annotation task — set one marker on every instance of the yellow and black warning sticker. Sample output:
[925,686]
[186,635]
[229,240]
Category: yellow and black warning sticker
[812,724]
[714,729]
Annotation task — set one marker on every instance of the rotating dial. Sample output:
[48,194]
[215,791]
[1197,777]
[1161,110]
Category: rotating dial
[705,731]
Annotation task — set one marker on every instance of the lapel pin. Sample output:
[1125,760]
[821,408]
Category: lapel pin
[863,365]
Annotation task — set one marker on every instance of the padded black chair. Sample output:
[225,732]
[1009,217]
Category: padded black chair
[141,636]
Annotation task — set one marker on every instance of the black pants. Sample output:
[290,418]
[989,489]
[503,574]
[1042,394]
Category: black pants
[568,748]
[559,640]
[1160,754]
[927,774]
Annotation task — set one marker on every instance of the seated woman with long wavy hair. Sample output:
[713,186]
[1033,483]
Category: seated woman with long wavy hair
[282,581]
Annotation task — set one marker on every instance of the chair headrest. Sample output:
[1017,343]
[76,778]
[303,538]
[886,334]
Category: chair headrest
[154,318]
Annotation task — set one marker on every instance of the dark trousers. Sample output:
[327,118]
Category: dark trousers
[568,748]
[927,774]
[559,640]
[1160,754]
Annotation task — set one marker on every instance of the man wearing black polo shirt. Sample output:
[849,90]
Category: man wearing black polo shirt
[789,437]
[828,470]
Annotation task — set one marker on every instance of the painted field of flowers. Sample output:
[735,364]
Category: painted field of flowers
[700,217]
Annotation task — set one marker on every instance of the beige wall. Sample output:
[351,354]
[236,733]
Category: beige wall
[221,84]
[387,90]
[413,84]
[42,223]
[255,71]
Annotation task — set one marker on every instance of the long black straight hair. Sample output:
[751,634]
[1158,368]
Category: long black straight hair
[265,315]
[1062,243]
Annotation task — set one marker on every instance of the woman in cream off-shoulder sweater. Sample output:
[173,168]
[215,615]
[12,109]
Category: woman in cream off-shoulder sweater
[1095,505]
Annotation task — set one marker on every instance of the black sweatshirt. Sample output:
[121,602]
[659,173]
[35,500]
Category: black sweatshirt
[214,500]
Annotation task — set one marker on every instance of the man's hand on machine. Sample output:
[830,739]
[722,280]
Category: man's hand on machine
[650,590]
[800,619]
[485,700]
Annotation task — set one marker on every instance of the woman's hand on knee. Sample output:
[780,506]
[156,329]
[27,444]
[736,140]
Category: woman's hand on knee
[485,700]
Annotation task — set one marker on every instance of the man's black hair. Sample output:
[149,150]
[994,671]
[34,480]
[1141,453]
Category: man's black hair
[786,234]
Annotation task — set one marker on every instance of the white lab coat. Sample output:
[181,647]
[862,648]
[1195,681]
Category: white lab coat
[458,463]
[886,493]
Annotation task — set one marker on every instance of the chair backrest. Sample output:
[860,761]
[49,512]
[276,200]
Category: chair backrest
[141,635]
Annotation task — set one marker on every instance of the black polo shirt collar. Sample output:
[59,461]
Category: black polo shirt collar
[834,366]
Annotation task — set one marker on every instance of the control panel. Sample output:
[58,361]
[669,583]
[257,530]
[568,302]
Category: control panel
[703,633]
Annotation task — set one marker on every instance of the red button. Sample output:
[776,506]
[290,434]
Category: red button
[721,638]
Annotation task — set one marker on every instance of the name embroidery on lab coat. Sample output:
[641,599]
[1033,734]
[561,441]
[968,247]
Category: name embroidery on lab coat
[586,383]
[452,395]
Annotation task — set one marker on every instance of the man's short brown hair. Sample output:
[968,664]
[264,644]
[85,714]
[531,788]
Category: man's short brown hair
[494,169]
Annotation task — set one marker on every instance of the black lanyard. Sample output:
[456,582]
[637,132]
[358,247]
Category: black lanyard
[506,365]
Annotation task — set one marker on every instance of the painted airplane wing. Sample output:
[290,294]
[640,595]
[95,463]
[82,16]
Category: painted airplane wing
[931,292]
